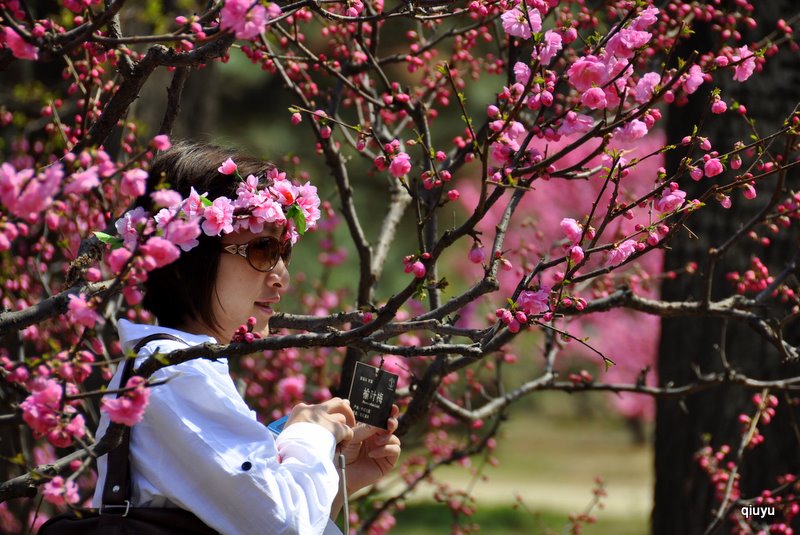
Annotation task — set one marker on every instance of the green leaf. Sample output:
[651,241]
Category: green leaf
[206,201]
[607,363]
[299,218]
[113,241]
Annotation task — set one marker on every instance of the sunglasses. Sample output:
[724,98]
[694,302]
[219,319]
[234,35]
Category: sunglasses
[263,253]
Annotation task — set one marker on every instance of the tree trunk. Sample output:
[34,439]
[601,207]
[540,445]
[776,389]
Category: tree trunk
[684,497]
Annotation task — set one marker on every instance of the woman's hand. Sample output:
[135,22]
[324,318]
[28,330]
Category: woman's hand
[335,415]
[371,453]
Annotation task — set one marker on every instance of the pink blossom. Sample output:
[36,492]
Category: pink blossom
[745,69]
[646,18]
[60,492]
[244,18]
[83,181]
[38,193]
[218,217]
[587,72]
[228,167]
[418,268]
[713,167]
[645,87]
[128,408]
[161,142]
[159,252]
[719,107]
[40,409]
[575,123]
[476,254]
[133,182]
[194,204]
[292,388]
[572,229]
[284,191]
[517,24]
[183,233]
[10,183]
[522,74]
[80,312]
[576,254]
[128,226]
[621,252]
[401,165]
[625,42]
[633,130]
[19,47]
[246,22]
[117,259]
[269,211]
[166,197]
[594,98]
[537,302]
[670,200]
[694,79]
[550,46]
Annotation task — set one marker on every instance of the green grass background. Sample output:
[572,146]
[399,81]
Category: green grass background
[550,452]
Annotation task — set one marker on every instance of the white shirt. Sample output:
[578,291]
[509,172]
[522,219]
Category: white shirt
[190,451]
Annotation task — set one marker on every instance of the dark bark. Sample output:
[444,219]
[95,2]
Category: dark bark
[684,497]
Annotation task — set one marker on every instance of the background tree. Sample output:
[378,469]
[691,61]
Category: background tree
[686,500]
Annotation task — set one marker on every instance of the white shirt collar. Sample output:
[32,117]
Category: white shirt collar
[130,333]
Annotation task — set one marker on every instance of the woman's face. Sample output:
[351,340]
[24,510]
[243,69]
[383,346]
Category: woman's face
[242,291]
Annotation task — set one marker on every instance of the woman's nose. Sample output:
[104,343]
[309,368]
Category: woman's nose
[279,276]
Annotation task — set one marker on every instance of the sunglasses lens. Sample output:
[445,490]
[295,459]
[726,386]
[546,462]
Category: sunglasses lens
[263,253]
[286,252]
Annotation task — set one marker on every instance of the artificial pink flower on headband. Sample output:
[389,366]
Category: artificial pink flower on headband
[228,167]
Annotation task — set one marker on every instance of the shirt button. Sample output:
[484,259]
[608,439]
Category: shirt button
[247,465]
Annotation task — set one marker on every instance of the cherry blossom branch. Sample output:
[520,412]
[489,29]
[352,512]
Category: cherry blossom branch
[746,438]
[47,308]
[25,486]
[174,93]
[128,90]
[549,382]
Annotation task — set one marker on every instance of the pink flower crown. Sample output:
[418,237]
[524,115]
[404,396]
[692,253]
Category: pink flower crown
[281,203]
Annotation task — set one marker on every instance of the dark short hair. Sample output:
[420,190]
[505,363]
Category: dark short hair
[184,289]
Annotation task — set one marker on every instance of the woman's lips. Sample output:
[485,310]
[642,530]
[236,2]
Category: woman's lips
[265,307]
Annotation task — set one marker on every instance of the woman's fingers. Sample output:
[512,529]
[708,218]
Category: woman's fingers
[341,406]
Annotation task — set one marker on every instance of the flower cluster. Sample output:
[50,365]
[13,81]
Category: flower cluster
[179,224]
[128,408]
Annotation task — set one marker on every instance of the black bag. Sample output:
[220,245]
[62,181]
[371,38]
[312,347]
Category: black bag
[116,516]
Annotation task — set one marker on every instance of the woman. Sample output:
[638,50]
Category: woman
[199,447]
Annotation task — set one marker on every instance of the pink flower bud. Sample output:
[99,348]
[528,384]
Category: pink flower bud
[296,118]
[325,132]
[476,254]
[453,194]
[719,107]
[162,142]
[419,269]
[749,192]
[492,111]
[576,254]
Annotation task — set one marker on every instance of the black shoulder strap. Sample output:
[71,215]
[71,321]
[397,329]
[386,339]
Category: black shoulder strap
[117,491]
